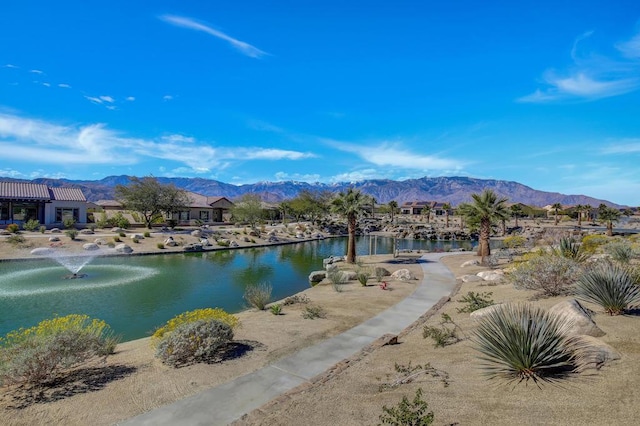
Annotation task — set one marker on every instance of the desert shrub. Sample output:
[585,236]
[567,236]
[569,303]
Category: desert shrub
[276,309]
[13,228]
[514,241]
[380,273]
[590,243]
[102,222]
[122,234]
[610,286]
[68,222]
[258,295]
[71,233]
[15,239]
[117,239]
[475,301]
[621,251]
[521,342]
[40,353]
[42,229]
[194,341]
[570,249]
[31,225]
[92,227]
[147,234]
[313,312]
[160,246]
[408,413]
[193,316]
[549,275]
[443,335]
[363,274]
[296,298]
[337,279]
[223,243]
[120,221]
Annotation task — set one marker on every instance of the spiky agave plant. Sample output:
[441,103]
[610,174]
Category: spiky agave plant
[521,342]
[570,249]
[610,286]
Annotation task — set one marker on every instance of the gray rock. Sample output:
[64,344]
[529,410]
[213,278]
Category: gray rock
[331,267]
[317,276]
[349,275]
[87,232]
[54,239]
[491,275]
[403,275]
[205,242]
[193,247]
[382,272]
[100,241]
[170,242]
[123,248]
[578,316]
[468,263]
[42,251]
[246,239]
[480,313]
[332,259]
[470,278]
[273,239]
[233,244]
[91,246]
[196,233]
[594,353]
[117,230]
[55,230]
[136,236]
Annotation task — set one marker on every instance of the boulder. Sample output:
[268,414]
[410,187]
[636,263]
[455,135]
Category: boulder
[332,259]
[54,239]
[317,276]
[254,233]
[578,316]
[331,267]
[196,233]
[480,313]
[136,236]
[42,251]
[382,272]
[233,244]
[91,246]
[470,278]
[205,242]
[116,230]
[273,239]
[193,247]
[468,263]
[491,275]
[87,232]
[595,353]
[246,239]
[123,248]
[403,275]
[100,241]
[299,235]
[350,275]
[170,242]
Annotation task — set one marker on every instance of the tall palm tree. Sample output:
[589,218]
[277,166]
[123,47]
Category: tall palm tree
[487,208]
[556,208]
[608,215]
[351,204]
[426,212]
[393,207]
[580,209]
[587,211]
[446,207]
[516,211]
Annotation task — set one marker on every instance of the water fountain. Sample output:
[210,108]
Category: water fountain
[72,262]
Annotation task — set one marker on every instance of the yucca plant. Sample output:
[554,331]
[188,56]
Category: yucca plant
[620,251]
[521,342]
[570,249]
[610,286]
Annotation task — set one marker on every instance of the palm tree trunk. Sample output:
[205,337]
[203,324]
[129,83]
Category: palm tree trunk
[610,229]
[485,232]
[351,244]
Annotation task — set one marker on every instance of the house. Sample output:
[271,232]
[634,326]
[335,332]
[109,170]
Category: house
[416,207]
[51,206]
[204,209]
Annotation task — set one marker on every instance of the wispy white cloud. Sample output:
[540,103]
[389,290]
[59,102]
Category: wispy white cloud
[592,76]
[37,141]
[46,84]
[388,154]
[108,99]
[243,47]
[36,71]
[64,86]
[358,175]
[11,66]
[130,99]
[167,98]
[623,146]
[11,173]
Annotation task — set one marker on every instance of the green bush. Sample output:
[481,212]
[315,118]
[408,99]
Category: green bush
[122,234]
[15,239]
[194,316]
[160,246]
[71,233]
[610,286]
[313,312]
[443,335]
[117,239]
[258,295]
[68,222]
[570,249]
[42,229]
[363,274]
[590,243]
[276,309]
[514,241]
[198,341]
[407,413]
[337,279]
[547,274]
[521,342]
[620,250]
[31,225]
[147,234]
[13,228]
[39,354]
[475,301]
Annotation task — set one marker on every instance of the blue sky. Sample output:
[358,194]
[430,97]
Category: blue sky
[545,93]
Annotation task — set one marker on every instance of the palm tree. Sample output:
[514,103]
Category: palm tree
[609,216]
[579,208]
[487,208]
[516,211]
[587,211]
[446,207]
[426,212]
[351,204]
[393,207]
[556,208]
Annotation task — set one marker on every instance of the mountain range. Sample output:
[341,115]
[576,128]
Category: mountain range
[454,190]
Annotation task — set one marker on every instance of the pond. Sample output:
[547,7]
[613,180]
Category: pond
[136,294]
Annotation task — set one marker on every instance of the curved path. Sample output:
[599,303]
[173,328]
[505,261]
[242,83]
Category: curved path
[225,403]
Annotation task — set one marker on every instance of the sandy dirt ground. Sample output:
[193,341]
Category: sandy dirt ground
[133,381]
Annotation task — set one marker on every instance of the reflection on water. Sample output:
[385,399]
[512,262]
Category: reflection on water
[138,293]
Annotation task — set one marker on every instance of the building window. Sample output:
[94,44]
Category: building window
[184,216]
[67,213]
[24,211]
[4,211]
[204,215]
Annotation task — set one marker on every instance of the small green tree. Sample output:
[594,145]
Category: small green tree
[556,208]
[608,216]
[248,209]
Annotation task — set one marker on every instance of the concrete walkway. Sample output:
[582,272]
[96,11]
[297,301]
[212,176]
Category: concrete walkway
[225,403]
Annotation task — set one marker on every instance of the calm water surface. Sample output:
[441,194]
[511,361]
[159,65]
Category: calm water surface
[138,293]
